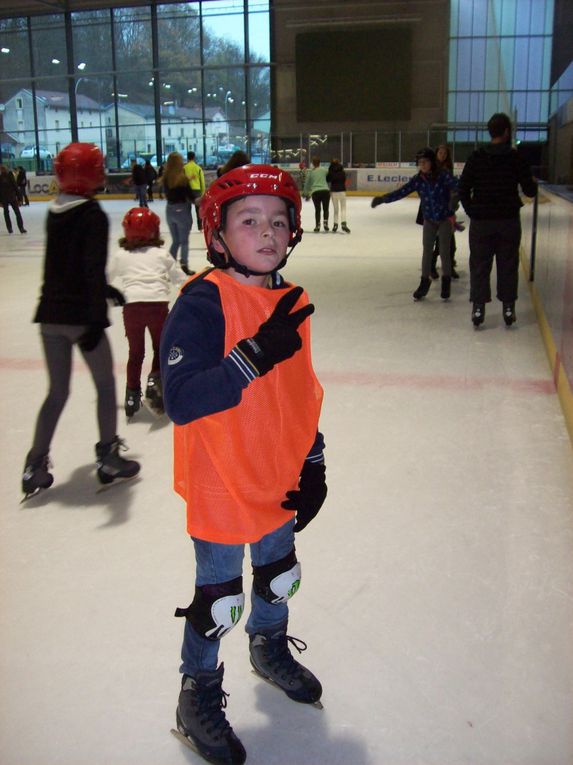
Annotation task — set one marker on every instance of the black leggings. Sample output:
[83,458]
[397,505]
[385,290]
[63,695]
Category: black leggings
[58,341]
[321,199]
[7,220]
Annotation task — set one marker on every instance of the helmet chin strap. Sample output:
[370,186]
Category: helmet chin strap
[244,270]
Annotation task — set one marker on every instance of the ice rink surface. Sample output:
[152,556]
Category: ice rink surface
[437,590]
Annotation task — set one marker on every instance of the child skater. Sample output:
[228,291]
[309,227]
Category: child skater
[336,179]
[436,189]
[238,382]
[145,272]
[73,311]
[445,162]
[316,187]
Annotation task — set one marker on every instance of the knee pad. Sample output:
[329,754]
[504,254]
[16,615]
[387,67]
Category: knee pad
[216,608]
[277,582]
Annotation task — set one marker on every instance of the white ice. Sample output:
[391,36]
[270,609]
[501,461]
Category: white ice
[437,580]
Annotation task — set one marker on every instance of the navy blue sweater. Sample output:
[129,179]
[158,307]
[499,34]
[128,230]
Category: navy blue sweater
[489,185]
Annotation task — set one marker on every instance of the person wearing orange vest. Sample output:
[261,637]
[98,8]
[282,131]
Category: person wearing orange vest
[239,385]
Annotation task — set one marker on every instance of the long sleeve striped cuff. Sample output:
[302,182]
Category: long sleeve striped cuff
[247,369]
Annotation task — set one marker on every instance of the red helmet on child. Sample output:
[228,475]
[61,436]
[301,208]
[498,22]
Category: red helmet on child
[241,182]
[141,225]
[80,169]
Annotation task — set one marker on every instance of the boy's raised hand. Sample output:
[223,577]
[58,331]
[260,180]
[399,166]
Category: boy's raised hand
[277,338]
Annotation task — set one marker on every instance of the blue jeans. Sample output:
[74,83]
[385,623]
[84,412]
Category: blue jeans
[179,222]
[217,563]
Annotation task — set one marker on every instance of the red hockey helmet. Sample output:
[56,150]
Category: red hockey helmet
[244,181]
[80,169]
[141,225]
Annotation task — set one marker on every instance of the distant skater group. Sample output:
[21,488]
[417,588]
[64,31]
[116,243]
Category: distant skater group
[488,191]
[323,185]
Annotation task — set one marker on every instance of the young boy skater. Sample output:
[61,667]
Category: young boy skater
[238,382]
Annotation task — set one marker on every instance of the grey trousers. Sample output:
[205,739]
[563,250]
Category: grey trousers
[58,341]
[443,230]
[497,239]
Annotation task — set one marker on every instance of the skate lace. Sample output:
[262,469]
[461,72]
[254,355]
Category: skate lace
[280,657]
[210,706]
[121,445]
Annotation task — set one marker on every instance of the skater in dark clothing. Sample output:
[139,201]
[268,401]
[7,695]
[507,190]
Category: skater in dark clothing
[436,189]
[239,384]
[489,192]
[139,181]
[22,183]
[9,198]
[336,179]
[150,178]
[73,311]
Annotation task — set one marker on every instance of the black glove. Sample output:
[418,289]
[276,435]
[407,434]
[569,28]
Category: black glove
[310,496]
[277,338]
[91,337]
[377,201]
[114,295]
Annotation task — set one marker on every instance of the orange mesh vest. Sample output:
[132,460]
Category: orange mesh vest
[234,468]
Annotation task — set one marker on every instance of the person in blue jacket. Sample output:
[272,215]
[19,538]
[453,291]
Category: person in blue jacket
[437,191]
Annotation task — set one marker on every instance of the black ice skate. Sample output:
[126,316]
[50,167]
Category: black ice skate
[335,228]
[110,465]
[132,401]
[345,228]
[422,290]
[478,314]
[509,314]
[273,661]
[201,721]
[36,475]
[154,394]
[325,225]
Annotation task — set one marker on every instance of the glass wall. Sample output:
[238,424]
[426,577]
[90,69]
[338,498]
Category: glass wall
[500,56]
[139,82]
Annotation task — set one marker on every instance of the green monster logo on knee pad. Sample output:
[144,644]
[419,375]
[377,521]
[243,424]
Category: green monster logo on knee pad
[236,613]
[294,588]
[285,585]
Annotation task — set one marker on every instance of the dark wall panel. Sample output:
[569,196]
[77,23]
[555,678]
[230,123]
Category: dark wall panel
[358,75]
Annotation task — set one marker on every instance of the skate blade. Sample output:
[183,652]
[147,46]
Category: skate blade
[31,494]
[117,482]
[316,704]
[155,411]
[185,740]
